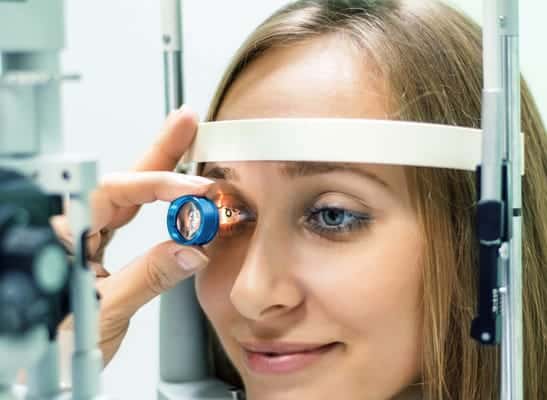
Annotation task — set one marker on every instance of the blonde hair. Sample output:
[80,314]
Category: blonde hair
[430,57]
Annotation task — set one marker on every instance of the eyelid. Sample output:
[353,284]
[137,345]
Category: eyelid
[227,200]
[342,201]
[232,192]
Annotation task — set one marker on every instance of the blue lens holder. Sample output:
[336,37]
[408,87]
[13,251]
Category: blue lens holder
[209,220]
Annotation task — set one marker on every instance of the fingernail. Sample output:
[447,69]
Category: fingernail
[191,260]
[176,111]
[181,109]
[201,180]
[193,180]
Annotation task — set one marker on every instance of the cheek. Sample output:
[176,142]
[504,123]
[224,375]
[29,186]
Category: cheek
[215,282]
[371,292]
[210,291]
[371,287]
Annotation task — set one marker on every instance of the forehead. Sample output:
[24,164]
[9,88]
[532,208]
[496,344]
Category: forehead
[322,77]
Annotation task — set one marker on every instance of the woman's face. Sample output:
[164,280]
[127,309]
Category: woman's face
[317,262]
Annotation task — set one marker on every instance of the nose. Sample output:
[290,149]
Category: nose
[265,288]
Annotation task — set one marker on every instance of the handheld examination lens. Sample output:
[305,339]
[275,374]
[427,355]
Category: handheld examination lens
[192,220]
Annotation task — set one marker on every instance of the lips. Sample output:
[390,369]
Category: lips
[283,358]
[279,348]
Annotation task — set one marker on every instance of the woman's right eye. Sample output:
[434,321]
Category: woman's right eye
[233,220]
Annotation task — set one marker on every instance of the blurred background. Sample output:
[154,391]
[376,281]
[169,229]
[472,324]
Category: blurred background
[116,111]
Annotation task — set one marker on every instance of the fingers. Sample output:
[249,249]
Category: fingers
[177,135]
[117,200]
[95,241]
[120,194]
[160,269]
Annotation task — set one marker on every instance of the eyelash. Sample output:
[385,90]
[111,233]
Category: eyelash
[313,217]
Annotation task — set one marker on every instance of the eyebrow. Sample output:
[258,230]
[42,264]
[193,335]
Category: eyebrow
[295,169]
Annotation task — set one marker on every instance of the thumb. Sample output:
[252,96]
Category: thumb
[157,271]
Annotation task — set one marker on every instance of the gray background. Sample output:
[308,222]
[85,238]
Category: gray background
[117,109]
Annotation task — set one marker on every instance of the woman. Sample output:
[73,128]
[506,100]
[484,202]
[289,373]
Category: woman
[369,267]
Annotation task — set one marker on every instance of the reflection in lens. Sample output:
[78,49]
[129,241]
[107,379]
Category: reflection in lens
[188,220]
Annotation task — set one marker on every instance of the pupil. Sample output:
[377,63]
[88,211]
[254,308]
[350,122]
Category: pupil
[333,217]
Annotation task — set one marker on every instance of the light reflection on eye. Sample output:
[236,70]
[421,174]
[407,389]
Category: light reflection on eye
[233,215]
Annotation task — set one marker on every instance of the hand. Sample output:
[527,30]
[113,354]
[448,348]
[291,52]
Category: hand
[114,203]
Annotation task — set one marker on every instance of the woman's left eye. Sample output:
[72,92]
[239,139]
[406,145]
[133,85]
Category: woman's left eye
[333,220]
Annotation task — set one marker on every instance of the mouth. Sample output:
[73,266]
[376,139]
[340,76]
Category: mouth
[282,358]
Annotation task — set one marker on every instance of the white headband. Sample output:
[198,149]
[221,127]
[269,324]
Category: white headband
[338,140]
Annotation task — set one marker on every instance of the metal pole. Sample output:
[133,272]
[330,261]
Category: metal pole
[171,27]
[512,367]
[189,363]
[499,210]
[486,327]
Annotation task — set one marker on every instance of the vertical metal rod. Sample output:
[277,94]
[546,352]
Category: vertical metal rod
[188,364]
[172,66]
[87,357]
[491,106]
[43,377]
[502,144]
[486,327]
[506,359]
[171,27]
[509,25]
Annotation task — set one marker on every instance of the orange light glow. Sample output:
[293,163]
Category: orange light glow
[228,213]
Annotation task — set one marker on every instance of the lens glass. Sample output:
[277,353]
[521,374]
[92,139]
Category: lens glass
[189,220]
